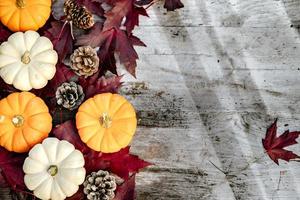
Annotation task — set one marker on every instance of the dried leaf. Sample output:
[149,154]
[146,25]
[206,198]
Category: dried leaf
[94,38]
[113,40]
[115,16]
[97,85]
[172,5]
[67,131]
[92,6]
[126,190]
[121,163]
[132,18]
[274,145]
[11,165]
[4,33]
[61,38]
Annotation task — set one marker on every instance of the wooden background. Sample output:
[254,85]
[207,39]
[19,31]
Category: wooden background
[213,77]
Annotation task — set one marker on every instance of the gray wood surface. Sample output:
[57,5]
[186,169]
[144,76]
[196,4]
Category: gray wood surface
[213,77]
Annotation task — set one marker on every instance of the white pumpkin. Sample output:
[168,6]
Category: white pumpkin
[27,60]
[54,169]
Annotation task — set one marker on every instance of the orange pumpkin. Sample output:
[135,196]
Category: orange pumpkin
[24,121]
[106,122]
[23,15]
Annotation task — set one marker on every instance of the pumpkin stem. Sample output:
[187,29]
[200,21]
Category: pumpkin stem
[20,3]
[26,58]
[52,170]
[105,120]
[18,121]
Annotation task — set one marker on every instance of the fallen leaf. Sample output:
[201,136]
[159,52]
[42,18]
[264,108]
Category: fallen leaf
[121,163]
[92,6]
[67,131]
[172,5]
[115,16]
[96,85]
[125,191]
[4,33]
[61,38]
[94,38]
[11,166]
[113,40]
[63,74]
[274,145]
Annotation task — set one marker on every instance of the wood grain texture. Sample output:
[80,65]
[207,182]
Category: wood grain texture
[213,77]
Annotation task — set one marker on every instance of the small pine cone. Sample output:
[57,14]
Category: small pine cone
[100,186]
[69,95]
[79,15]
[84,61]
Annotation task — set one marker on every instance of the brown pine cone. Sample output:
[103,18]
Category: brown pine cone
[84,61]
[69,95]
[100,186]
[78,15]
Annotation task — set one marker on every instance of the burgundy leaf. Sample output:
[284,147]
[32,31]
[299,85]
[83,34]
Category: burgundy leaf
[115,16]
[172,5]
[92,6]
[135,41]
[61,38]
[127,53]
[121,163]
[125,191]
[94,38]
[67,131]
[132,18]
[11,165]
[274,145]
[143,2]
[4,33]
[113,40]
[100,85]
[63,74]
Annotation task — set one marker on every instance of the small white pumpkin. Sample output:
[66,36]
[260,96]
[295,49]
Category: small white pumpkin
[54,169]
[27,60]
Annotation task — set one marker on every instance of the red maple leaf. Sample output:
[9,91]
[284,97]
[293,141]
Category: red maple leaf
[132,18]
[61,38]
[4,33]
[95,85]
[113,40]
[115,16]
[172,5]
[92,6]
[274,145]
[121,163]
[11,167]
[125,191]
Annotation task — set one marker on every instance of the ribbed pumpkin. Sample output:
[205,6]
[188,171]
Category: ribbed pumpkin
[24,121]
[106,122]
[23,15]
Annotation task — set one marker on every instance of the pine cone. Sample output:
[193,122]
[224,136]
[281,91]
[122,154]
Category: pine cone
[100,186]
[84,61]
[78,15]
[69,95]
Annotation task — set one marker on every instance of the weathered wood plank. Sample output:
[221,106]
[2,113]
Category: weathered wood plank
[232,80]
